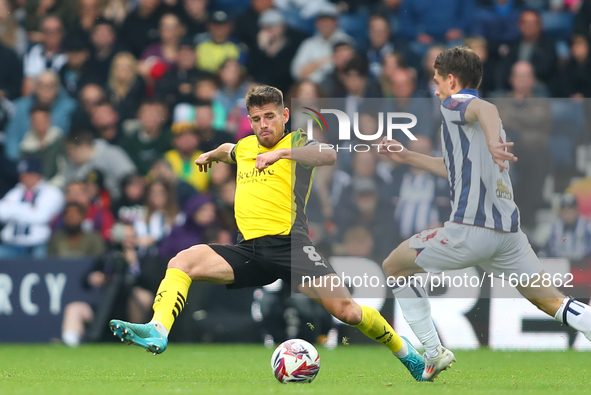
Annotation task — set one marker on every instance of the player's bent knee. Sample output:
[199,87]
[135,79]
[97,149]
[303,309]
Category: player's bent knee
[347,311]
[186,260]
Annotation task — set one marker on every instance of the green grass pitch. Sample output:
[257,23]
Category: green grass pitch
[245,369]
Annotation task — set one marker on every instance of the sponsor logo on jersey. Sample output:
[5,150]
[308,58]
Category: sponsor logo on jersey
[503,191]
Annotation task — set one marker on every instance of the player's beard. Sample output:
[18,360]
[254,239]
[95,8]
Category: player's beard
[269,140]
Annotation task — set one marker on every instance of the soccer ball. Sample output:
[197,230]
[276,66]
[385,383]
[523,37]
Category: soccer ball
[295,361]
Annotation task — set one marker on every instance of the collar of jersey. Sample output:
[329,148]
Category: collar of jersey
[468,91]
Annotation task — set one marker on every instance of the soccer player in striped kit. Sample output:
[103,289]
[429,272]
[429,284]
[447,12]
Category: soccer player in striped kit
[484,227]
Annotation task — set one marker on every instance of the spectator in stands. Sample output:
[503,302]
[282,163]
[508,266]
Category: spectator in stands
[105,121]
[307,94]
[104,48]
[184,191]
[200,213]
[95,186]
[176,86]
[88,13]
[26,212]
[427,22]
[130,207]
[498,22]
[116,271]
[428,72]
[9,175]
[535,48]
[6,112]
[161,214]
[182,157]
[224,201]
[46,55]
[582,24]
[490,80]
[411,100]
[44,142]
[358,85]
[13,36]
[76,72]
[140,28]
[209,138]
[391,10]
[37,11]
[380,44]
[90,96]
[367,210]
[150,139]
[85,154]
[333,84]
[577,72]
[357,242]
[206,90]
[195,16]
[363,166]
[273,50]
[421,199]
[245,26]
[116,11]
[329,184]
[163,53]
[11,74]
[71,241]
[221,173]
[571,234]
[47,93]
[313,60]
[98,218]
[125,89]
[233,85]
[390,64]
[528,122]
[216,45]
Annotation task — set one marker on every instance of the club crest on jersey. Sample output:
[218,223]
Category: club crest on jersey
[502,190]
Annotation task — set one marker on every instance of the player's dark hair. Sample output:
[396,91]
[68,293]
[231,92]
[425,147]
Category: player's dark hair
[262,95]
[462,63]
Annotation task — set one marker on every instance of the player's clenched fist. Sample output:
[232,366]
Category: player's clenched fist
[204,161]
[394,150]
[267,159]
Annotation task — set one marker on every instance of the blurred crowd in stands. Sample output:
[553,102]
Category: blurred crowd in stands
[105,105]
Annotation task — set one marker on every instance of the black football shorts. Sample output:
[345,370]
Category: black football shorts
[261,261]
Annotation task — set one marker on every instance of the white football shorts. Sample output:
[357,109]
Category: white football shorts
[458,246]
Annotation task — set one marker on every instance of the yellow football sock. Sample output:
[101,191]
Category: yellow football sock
[171,297]
[376,327]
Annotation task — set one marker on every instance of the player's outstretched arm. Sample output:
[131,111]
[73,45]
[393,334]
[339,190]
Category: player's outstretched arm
[311,155]
[487,115]
[223,153]
[400,154]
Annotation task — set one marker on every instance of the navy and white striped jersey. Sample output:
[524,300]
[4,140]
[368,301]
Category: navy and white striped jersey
[480,194]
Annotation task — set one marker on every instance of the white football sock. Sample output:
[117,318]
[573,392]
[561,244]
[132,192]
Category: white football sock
[575,314]
[403,351]
[160,328]
[71,338]
[416,309]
